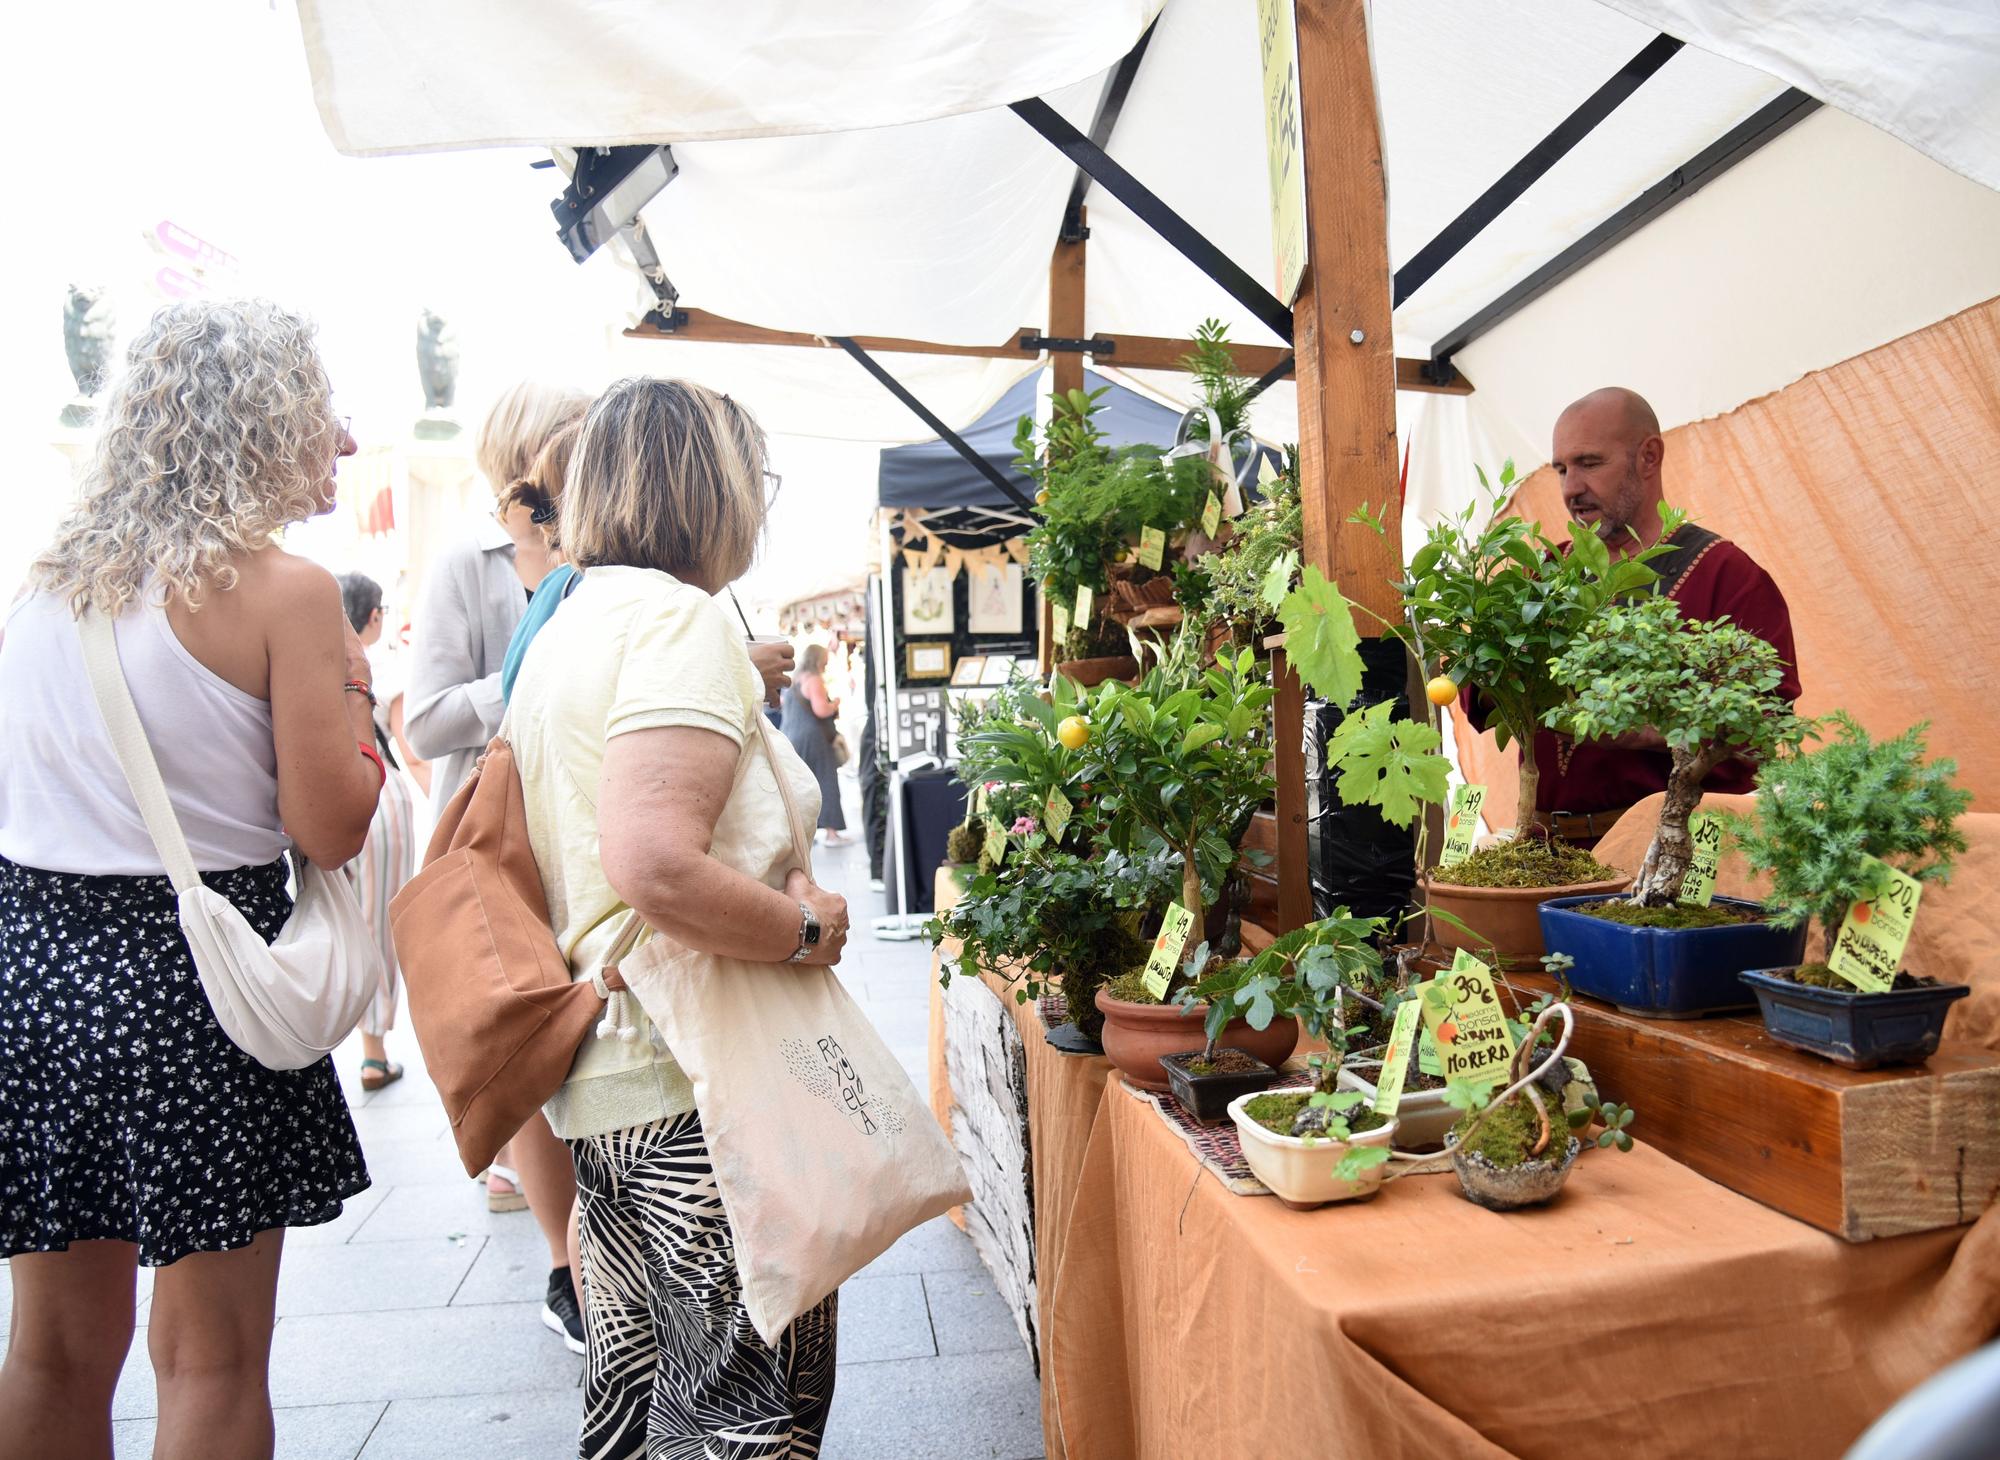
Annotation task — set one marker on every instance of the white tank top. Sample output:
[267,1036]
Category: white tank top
[64,804]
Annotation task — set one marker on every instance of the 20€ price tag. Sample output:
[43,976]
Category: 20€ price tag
[1152,547]
[1056,815]
[1166,954]
[1461,826]
[1462,1010]
[1868,950]
[1211,515]
[1059,622]
[1396,1059]
[1705,830]
[1084,597]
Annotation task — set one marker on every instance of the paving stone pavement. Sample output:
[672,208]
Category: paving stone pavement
[410,1326]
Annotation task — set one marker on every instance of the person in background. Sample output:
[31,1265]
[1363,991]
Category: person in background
[634,728]
[475,595]
[133,1131]
[389,855]
[808,724]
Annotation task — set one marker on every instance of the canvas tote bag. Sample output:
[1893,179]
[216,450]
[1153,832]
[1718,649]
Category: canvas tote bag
[285,1003]
[824,1153]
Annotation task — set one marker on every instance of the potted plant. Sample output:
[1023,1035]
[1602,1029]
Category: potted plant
[1516,1148]
[1819,816]
[1299,977]
[1711,690]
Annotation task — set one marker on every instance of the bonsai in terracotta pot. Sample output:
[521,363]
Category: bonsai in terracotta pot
[1712,691]
[1820,817]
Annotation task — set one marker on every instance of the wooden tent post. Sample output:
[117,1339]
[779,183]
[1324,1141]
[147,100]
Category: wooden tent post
[1065,322]
[1346,368]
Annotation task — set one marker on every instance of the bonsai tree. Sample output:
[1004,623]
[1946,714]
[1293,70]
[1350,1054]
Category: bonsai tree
[1821,813]
[1181,765]
[1525,1120]
[1709,688]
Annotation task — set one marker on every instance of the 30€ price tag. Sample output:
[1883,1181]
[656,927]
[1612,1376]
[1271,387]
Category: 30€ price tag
[1869,947]
[1461,826]
[1058,623]
[1463,1012]
[1396,1059]
[1166,954]
[996,843]
[1705,830]
[1056,814]
[1211,515]
[1152,547]
[1084,597]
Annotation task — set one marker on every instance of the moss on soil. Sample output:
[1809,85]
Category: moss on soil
[1525,862]
[1819,976]
[1276,1112]
[1507,1135]
[1130,987]
[1679,915]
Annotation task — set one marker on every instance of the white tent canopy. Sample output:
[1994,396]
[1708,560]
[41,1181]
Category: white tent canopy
[877,185]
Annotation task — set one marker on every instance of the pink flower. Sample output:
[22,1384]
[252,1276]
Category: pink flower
[992,786]
[1023,825]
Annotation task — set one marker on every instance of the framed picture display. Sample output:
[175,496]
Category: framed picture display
[926,661]
[927,603]
[996,669]
[969,669]
[993,598]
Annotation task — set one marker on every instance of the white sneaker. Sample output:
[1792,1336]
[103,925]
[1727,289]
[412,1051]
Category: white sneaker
[876,884]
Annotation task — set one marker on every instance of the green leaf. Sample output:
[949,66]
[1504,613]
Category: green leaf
[1200,735]
[1278,580]
[1391,765]
[1320,638]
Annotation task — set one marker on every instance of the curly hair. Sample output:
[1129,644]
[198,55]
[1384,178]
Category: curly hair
[218,432]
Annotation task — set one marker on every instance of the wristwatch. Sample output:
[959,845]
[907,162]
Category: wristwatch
[808,934]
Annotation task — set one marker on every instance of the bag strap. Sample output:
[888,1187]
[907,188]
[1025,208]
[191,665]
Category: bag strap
[801,839]
[129,744]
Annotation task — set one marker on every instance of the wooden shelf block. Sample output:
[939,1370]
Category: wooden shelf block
[1860,1154]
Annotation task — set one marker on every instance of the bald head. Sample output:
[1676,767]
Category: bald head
[1608,451]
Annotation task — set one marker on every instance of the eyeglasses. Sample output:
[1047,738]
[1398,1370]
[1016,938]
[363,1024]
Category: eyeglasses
[344,424]
[772,482]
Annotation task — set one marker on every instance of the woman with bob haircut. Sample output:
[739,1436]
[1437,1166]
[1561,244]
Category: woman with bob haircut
[133,1132]
[634,729]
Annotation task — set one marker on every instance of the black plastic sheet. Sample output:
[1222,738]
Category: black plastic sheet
[1357,860]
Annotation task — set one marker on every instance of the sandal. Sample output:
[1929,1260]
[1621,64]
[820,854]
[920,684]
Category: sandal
[379,1074]
[508,1196]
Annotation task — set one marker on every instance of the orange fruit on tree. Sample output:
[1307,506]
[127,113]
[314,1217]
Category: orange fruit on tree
[1074,733]
[1441,690]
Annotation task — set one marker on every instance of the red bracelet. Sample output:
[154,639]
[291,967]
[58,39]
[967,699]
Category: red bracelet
[373,754]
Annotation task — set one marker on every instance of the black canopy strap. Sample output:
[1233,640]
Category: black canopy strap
[1544,155]
[1110,102]
[1272,376]
[1163,220]
[945,434]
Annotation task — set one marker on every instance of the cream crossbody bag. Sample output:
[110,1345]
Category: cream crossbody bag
[285,1003]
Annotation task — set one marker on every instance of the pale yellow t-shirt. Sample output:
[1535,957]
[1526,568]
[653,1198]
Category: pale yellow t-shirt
[635,649]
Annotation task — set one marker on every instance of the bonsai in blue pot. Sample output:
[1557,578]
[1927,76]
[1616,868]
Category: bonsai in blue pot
[1820,816]
[1703,693]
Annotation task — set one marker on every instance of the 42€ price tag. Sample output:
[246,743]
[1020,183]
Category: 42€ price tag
[1166,954]
[1868,950]
[1461,826]
[1463,1012]
[1705,830]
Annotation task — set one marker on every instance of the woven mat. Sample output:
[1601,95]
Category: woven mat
[1217,1147]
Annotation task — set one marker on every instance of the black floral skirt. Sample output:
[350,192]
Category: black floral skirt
[125,1112]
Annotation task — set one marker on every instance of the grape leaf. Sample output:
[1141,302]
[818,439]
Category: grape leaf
[1389,764]
[1278,580]
[1320,638]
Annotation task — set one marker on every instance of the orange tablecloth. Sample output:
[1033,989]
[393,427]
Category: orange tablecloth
[1646,1313]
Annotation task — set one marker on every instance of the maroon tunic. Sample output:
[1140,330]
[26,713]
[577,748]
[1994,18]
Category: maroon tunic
[1721,581]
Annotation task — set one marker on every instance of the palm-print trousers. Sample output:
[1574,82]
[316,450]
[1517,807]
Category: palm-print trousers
[673,1369]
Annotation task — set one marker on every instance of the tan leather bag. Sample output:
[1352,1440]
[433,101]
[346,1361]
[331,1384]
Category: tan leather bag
[489,992]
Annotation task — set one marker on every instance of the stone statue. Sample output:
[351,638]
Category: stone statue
[88,326]
[437,367]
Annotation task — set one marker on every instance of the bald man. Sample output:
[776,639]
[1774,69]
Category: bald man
[1608,451]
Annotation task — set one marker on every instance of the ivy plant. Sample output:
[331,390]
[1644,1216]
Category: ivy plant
[1710,688]
[1820,813]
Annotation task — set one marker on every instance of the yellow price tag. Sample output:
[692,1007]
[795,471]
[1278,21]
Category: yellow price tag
[1166,954]
[1868,950]
[1463,1012]
[1211,515]
[1152,547]
[1461,826]
[1396,1059]
[1698,887]
[1056,814]
[996,843]
[1084,597]
[1059,623]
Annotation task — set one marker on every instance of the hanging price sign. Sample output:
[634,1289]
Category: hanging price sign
[1698,887]
[1211,515]
[1152,547]
[1396,1059]
[1056,814]
[1462,1010]
[1461,826]
[1868,950]
[996,843]
[1084,597]
[1059,622]
[1166,954]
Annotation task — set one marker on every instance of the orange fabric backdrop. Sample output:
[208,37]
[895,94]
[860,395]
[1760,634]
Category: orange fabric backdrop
[1866,490]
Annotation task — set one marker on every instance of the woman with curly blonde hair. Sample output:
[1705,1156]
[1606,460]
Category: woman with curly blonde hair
[133,1132]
